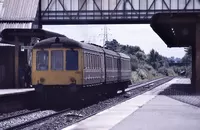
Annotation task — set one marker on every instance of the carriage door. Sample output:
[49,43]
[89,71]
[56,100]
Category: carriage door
[119,68]
[102,69]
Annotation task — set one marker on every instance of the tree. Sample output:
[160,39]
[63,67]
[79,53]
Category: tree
[153,59]
[164,61]
[112,45]
[157,60]
[188,51]
[130,49]
[134,62]
[141,55]
[188,55]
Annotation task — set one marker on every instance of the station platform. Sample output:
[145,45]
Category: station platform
[158,109]
[4,92]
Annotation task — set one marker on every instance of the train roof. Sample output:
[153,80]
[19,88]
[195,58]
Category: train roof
[110,52]
[60,42]
[124,55]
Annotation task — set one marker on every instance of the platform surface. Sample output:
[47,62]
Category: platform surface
[4,92]
[162,113]
[148,111]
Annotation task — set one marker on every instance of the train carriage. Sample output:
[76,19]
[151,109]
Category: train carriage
[94,67]
[125,67]
[63,68]
[125,71]
[111,66]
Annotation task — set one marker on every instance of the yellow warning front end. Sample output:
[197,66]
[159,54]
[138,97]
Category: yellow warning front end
[57,66]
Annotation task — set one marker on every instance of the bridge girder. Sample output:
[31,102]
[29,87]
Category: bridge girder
[110,11]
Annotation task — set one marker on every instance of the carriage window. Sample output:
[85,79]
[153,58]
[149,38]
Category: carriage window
[90,61]
[109,62]
[57,60]
[42,60]
[85,61]
[72,60]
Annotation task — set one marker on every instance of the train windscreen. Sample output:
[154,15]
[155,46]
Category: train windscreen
[72,60]
[57,60]
[42,60]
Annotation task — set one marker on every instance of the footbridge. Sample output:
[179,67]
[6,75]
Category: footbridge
[110,11]
[20,13]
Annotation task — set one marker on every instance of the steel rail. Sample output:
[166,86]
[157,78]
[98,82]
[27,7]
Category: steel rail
[18,115]
[29,123]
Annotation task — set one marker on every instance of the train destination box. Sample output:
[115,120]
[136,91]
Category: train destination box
[26,47]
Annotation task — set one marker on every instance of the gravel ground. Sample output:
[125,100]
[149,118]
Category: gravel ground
[5,115]
[19,120]
[66,119]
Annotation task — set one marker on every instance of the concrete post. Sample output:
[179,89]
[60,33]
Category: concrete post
[16,62]
[197,58]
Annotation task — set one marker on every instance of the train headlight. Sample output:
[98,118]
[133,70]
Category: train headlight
[73,80]
[42,80]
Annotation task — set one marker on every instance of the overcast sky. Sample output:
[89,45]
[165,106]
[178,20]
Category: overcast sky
[135,35]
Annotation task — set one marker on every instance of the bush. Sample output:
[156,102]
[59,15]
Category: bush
[142,73]
[166,71]
[162,70]
[148,67]
[135,77]
[188,71]
[134,62]
[141,55]
[170,72]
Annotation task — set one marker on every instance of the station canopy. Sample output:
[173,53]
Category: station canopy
[176,29]
[25,35]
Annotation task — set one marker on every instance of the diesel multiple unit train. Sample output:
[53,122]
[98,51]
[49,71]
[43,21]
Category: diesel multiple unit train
[65,70]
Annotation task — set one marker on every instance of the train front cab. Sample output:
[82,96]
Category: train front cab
[57,73]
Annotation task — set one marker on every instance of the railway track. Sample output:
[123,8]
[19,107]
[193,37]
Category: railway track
[18,115]
[32,122]
[26,119]
[144,83]
[148,83]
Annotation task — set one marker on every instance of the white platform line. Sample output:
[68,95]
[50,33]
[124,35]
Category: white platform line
[109,118]
[14,91]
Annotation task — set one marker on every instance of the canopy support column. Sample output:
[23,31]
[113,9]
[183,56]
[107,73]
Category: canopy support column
[196,55]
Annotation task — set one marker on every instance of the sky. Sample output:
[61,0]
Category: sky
[140,35]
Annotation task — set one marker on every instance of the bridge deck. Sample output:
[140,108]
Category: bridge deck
[110,11]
